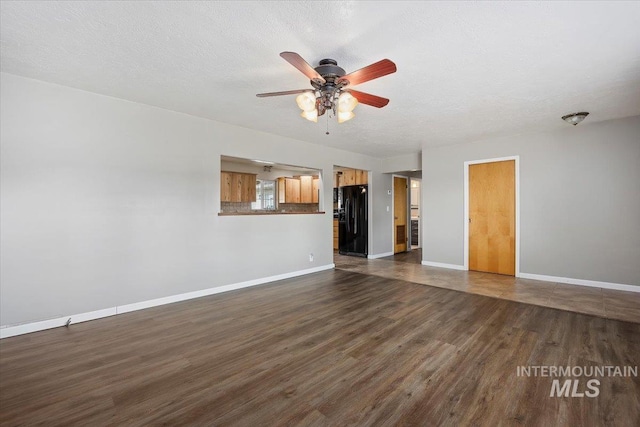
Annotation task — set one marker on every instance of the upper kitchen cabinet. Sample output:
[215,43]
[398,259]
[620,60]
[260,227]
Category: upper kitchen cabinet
[345,177]
[306,189]
[299,189]
[348,177]
[225,186]
[237,187]
[361,177]
[315,187]
[288,190]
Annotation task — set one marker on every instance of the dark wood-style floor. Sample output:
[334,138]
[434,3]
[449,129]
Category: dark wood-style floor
[331,348]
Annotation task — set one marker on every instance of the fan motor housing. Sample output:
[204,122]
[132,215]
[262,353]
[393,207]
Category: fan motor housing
[329,69]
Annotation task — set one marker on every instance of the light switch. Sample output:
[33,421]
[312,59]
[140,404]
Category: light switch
[387,208]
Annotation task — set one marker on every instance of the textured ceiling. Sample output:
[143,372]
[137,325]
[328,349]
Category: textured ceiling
[466,71]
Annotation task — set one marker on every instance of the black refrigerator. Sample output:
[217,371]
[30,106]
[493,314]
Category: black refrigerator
[353,226]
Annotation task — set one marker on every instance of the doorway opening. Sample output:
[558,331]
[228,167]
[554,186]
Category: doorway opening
[351,211]
[414,203]
[400,214]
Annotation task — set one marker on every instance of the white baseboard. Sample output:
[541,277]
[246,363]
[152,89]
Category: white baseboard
[380,255]
[581,282]
[443,265]
[11,331]
[27,328]
[556,279]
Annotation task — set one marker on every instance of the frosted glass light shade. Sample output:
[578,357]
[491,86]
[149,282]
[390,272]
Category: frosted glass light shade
[575,118]
[312,115]
[306,101]
[346,102]
[343,116]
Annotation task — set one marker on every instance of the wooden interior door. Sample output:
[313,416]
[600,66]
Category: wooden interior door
[400,214]
[492,218]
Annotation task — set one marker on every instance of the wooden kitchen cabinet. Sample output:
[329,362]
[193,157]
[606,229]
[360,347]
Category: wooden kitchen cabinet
[237,187]
[225,186]
[246,187]
[349,177]
[299,189]
[315,186]
[288,190]
[361,177]
[335,235]
[292,190]
[306,189]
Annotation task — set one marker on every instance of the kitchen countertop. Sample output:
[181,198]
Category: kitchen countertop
[267,213]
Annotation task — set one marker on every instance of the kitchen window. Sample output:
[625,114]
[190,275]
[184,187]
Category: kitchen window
[265,195]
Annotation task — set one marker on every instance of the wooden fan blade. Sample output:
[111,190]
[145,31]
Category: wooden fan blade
[367,98]
[286,92]
[302,65]
[373,71]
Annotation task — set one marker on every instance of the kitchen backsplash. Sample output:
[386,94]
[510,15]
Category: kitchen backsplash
[298,207]
[240,207]
[235,206]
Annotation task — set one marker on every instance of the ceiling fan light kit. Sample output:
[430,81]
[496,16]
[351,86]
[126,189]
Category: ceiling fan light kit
[330,93]
[346,102]
[343,116]
[306,101]
[312,115]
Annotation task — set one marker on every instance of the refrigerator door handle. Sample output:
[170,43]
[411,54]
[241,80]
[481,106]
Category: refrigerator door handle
[355,217]
[346,213]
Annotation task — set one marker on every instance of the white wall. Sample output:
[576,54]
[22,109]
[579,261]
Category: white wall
[405,162]
[579,200]
[380,240]
[107,202]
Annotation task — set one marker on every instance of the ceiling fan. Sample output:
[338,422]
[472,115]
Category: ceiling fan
[331,87]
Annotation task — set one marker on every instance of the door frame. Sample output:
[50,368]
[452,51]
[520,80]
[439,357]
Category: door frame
[393,213]
[369,213]
[466,206]
[419,246]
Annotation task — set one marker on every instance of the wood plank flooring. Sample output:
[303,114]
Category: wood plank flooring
[332,348]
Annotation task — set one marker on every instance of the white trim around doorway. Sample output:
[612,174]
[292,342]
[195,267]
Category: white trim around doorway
[411,204]
[393,213]
[466,206]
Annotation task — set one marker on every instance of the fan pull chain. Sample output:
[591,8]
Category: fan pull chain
[328,114]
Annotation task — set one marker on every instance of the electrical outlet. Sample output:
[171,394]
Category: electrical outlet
[311,257]
[387,208]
